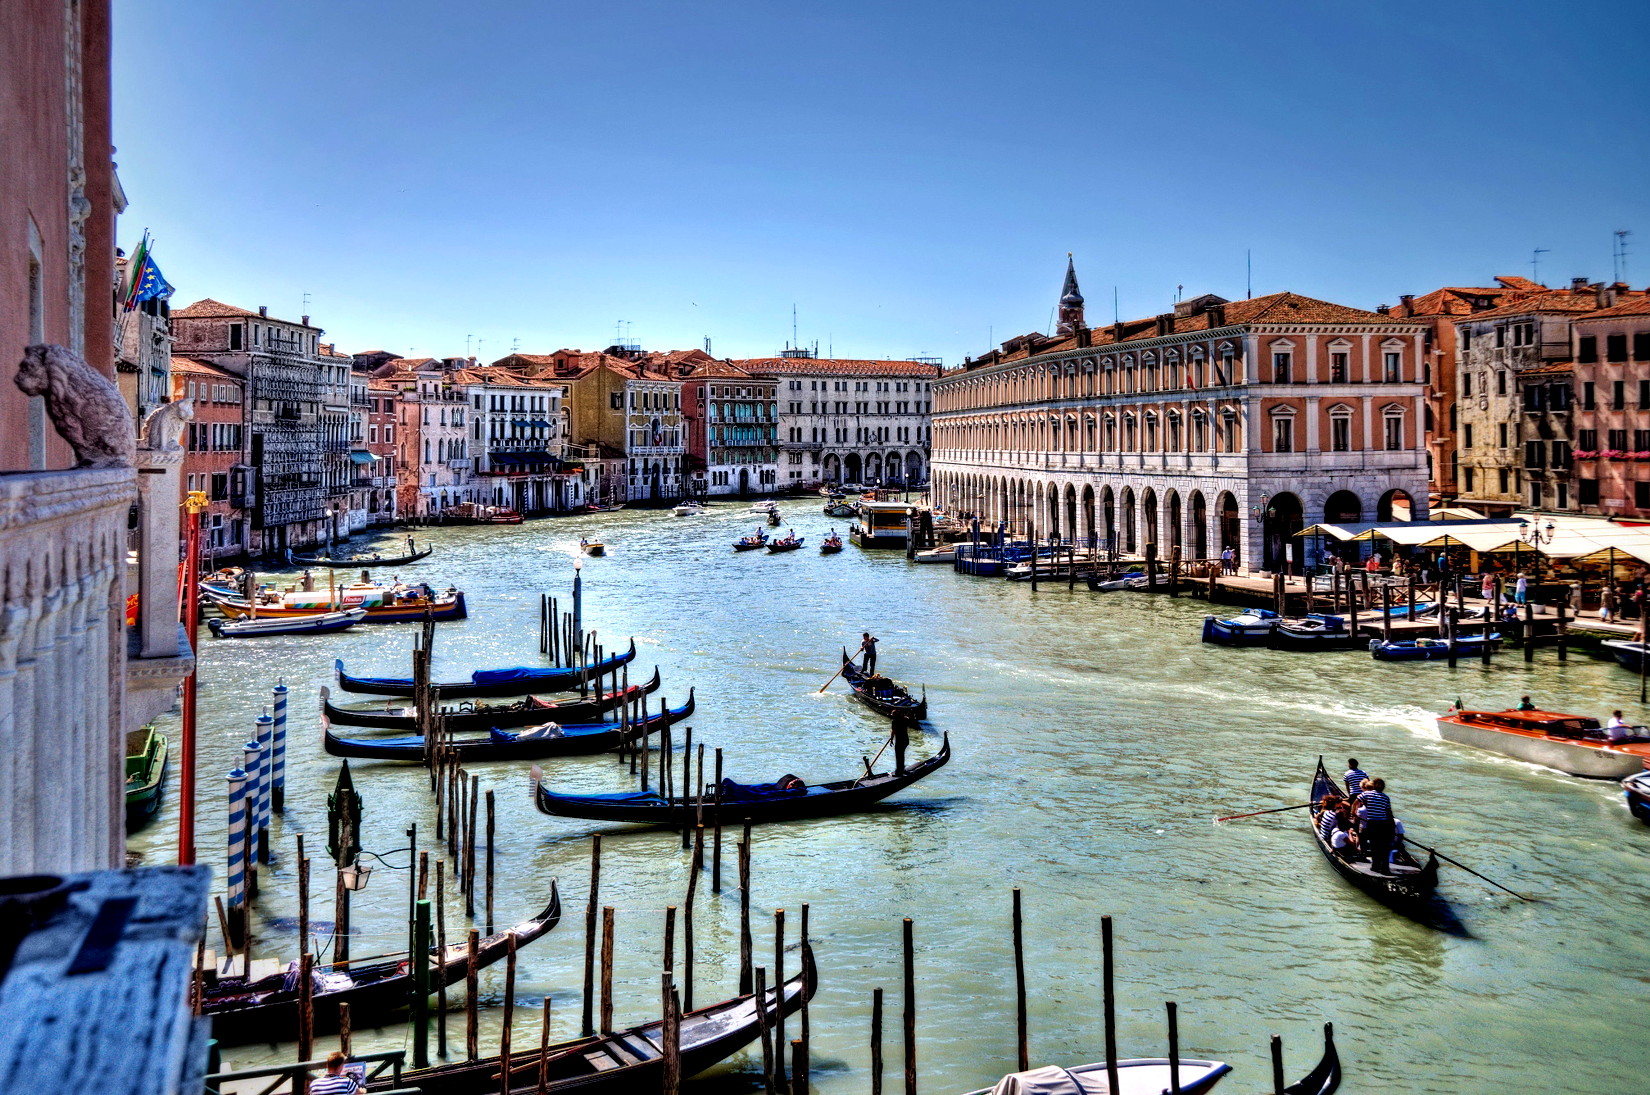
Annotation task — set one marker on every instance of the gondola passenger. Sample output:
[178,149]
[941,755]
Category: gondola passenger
[1355,777]
[1377,832]
[1341,837]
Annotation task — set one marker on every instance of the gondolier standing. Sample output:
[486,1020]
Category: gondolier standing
[1378,830]
[868,647]
[902,738]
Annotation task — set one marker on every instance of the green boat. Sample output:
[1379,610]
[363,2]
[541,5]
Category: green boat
[145,775]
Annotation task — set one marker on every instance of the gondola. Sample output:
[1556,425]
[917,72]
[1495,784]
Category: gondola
[831,545]
[881,694]
[483,716]
[788,543]
[1430,650]
[1252,627]
[1409,885]
[1314,631]
[751,543]
[146,751]
[518,681]
[266,1010]
[360,562]
[529,743]
[624,1062]
[1325,1076]
[773,518]
[825,800]
[322,623]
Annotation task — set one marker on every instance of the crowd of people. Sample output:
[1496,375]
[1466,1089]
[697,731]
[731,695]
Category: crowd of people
[1360,824]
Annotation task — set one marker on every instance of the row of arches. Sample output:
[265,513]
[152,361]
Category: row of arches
[1195,366]
[893,467]
[1127,517]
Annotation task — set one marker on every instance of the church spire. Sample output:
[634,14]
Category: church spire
[1071,302]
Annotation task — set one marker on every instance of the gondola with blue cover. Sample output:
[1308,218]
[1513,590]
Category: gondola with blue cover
[1429,649]
[1250,628]
[519,680]
[529,743]
[467,716]
[736,802]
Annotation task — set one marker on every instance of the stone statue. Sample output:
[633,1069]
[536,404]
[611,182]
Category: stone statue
[163,429]
[84,405]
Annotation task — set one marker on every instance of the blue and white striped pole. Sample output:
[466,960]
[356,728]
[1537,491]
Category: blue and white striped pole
[266,775]
[277,782]
[252,765]
[237,852]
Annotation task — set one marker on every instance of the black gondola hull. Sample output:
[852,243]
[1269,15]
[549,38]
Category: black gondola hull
[503,716]
[897,701]
[545,680]
[1404,891]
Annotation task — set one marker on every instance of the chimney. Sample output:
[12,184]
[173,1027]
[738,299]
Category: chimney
[1383,309]
[306,321]
[1165,323]
[1606,296]
[1407,302]
[263,310]
[1217,315]
[1578,284]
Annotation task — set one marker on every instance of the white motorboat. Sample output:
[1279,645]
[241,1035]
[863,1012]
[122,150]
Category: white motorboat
[945,553]
[688,509]
[764,505]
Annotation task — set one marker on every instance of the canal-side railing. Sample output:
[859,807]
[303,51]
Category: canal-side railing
[296,1076]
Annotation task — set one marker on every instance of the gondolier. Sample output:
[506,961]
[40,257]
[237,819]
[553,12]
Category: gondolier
[902,738]
[1377,834]
[868,647]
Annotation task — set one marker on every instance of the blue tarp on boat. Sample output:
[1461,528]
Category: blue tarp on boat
[761,792]
[514,675]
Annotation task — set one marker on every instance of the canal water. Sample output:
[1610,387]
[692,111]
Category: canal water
[1094,741]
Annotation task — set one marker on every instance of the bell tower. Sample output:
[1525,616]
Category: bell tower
[1071,303]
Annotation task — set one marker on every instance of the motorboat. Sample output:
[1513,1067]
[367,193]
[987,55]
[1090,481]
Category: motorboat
[1573,744]
[945,553]
[840,509]
[1251,628]
[1637,789]
[763,505]
[1314,631]
[593,547]
[688,509]
[1111,585]
[1429,649]
[319,624]
[1629,653]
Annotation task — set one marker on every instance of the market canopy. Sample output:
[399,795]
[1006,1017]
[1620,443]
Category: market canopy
[1419,533]
[1557,536]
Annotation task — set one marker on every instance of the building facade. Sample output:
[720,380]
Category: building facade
[731,418]
[1612,415]
[1218,425]
[381,425]
[143,351]
[212,462]
[845,420]
[518,442]
[433,459]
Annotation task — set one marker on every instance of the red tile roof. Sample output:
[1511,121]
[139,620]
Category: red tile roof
[836,366]
[1634,306]
[209,308]
[201,368]
[1568,301]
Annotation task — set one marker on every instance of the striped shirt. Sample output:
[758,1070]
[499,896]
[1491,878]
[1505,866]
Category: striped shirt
[1326,824]
[1354,779]
[342,1084]
[1377,807]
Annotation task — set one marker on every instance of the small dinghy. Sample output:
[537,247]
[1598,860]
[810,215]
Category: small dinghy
[1430,650]
[754,541]
[1315,631]
[1251,628]
[319,624]
[786,543]
[146,751]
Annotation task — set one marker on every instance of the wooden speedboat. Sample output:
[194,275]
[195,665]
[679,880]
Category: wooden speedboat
[881,694]
[518,680]
[322,623]
[753,542]
[1409,884]
[755,804]
[592,547]
[1431,650]
[1251,628]
[626,1062]
[462,717]
[1315,631]
[1574,744]
[1637,789]
[358,562]
[266,1010]
[1630,654]
[785,543]
[146,752]
[530,743]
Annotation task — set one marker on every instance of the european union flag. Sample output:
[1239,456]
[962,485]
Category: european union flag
[151,285]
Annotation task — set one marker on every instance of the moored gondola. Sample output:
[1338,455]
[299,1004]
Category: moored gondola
[626,1061]
[361,562]
[520,680]
[529,743]
[266,1010]
[483,716]
[1409,884]
[881,694]
[1314,631]
[736,803]
[1430,650]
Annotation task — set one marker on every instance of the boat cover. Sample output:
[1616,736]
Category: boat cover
[520,673]
[761,792]
[532,733]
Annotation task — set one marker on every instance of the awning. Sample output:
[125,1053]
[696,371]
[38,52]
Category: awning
[1413,532]
[362,457]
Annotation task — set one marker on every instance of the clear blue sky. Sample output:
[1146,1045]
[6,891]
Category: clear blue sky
[909,175]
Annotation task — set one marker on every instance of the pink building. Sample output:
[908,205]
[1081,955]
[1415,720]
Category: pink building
[1612,410]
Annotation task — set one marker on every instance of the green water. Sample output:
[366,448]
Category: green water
[1094,737]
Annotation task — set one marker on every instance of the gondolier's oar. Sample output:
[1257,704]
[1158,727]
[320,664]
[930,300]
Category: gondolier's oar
[834,676]
[1278,810]
[869,768]
[1464,867]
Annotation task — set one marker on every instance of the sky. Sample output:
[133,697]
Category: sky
[442,179]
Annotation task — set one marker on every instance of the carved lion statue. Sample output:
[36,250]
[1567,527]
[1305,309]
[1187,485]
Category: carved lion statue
[164,427]
[84,405]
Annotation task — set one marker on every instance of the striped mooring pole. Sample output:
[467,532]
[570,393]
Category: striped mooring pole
[266,778]
[277,783]
[237,847]
[252,765]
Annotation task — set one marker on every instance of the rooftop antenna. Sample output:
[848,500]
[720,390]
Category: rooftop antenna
[793,325]
[1178,290]
[515,344]
[467,339]
[305,310]
[479,343]
[1248,274]
[1116,315]
[1535,263]
[1619,252]
[707,347]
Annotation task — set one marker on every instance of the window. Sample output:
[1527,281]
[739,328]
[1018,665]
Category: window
[1467,479]
[615,401]
[1587,349]
[1641,346]
[1589,400]
[1561,454]
[1618,395]
[1641,440]
[1280,367]
[1615,348]
[1500,435]
[235,336]
[1466,381]
[1501,475]
[1394,433]
[1535,495]
[1587,440]
[1641,494]
[1466,339]
[1337,368]
[1500,336]
[1340,433]
[1644,395]
[1617,440]
[1283,433]
[1534,454]
[1394,367]
[1500,382]
[1587,492]
[1466,441]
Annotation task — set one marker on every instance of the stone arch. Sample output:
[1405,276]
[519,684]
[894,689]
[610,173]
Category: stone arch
[851,467]
[1071,513]
[1108,518]
[1199,526]
[1126,504]
[1343,508]
[1230,523]
[1174,518]
[1087,531]
[833,468]
[913,467]
[1395,505]
[1285,516]
[1148,514]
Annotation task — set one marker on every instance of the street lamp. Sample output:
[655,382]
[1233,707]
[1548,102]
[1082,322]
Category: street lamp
[355,876]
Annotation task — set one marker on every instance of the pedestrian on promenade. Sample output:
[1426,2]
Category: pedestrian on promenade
[1522,588]
[1606,603]
[1488,588]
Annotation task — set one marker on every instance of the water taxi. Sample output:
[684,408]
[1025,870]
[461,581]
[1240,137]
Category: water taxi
[592,547]
[1574,744]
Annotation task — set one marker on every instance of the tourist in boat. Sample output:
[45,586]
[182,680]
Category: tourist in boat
[1376,834]
[1618,729]
[1330,805]
[1341,836]
[1355,777]
[868,647]
[1524,704]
